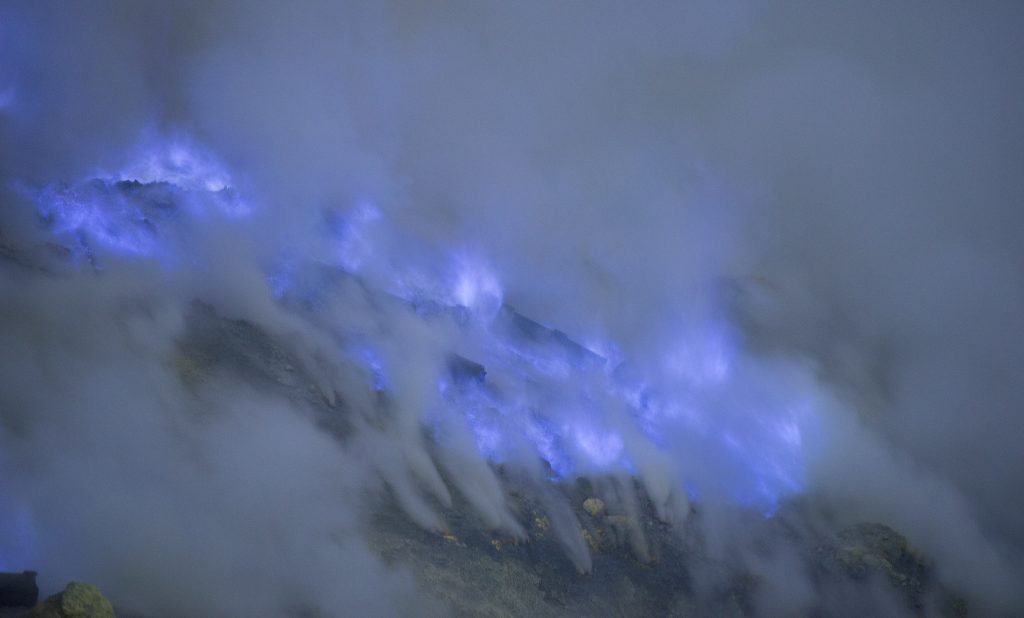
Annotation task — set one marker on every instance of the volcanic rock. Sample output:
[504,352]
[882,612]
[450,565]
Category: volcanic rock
[594,506]
[18,589]
[76,601]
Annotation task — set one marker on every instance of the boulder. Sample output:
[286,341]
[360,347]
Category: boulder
[75,601]
[594,506]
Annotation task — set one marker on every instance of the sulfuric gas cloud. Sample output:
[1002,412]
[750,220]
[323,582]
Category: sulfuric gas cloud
[741,253]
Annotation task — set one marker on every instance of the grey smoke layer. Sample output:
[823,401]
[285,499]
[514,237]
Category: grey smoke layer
[840,184]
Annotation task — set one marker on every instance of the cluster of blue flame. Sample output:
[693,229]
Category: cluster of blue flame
[699,410]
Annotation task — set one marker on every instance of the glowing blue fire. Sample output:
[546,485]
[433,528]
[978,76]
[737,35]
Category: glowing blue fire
[180,164]
[126,212]
[353,246]
[730,430]
[98,213]
[476,287]
[701,404]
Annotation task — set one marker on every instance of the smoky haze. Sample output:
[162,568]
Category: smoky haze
[828,197]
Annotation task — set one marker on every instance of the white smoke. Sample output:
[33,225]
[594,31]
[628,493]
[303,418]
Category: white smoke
[798,223]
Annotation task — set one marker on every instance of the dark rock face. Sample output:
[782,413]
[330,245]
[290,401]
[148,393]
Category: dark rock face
[642,566]
[18,589]
[462,370]
[213,344]
[636,564]
[868,550]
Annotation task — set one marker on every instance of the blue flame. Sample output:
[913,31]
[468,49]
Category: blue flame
[565,401]
[699,403]
[476,287]
[131,212]
[351,230]
[182,164]
[99,213]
